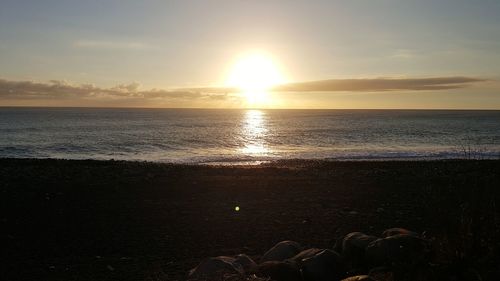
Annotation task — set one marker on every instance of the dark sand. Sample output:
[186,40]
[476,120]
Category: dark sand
[110,220]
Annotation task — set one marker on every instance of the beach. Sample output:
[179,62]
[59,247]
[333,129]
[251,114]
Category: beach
[121,220]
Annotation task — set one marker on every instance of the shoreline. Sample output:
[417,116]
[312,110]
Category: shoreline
[266,162]
[71,219]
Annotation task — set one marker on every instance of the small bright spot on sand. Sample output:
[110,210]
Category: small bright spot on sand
[237,208]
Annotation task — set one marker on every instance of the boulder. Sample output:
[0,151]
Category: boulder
[279,271]
[245,261]
[282,251]
[304,255]
[401,249]
[396,231]
[215,268]
[324,266]
[353,248]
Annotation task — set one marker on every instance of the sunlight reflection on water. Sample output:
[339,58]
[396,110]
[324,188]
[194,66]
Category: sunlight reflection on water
[254,129]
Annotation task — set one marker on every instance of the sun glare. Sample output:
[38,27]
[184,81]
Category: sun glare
[254,74]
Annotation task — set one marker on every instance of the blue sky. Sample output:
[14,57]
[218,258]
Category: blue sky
[175,44]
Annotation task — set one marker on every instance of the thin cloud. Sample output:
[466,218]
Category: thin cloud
[380,84]
[101,44]
[404,54]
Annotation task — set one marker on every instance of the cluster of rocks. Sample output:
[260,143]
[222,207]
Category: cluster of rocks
[356,257]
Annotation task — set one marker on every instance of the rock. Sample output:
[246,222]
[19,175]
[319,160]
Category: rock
[281,251]
[324,266]
[279,271]
[215,268]
[245,261]
[359,278]
[401,249]
[353,248]
[396,231]
[304,255]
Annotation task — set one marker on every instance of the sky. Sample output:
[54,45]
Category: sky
[389,53]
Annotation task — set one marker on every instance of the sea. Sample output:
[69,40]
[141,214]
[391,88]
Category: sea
[247,136]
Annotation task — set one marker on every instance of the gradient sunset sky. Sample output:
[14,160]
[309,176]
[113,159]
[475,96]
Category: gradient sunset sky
[333,54]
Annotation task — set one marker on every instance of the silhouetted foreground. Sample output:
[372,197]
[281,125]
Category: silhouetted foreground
[113,220]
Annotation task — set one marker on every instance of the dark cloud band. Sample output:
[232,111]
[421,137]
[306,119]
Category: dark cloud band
[380,84]
[54,89]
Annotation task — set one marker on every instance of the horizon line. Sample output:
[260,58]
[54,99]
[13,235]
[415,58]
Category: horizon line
[251,108]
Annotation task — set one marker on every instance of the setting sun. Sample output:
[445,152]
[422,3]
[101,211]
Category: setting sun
[254,74]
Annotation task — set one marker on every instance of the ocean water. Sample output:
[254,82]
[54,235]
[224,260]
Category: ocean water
[247,136]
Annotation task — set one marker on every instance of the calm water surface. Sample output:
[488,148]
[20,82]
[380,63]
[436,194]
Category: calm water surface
[235,136]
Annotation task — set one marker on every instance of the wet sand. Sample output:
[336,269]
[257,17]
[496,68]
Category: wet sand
[116,220]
